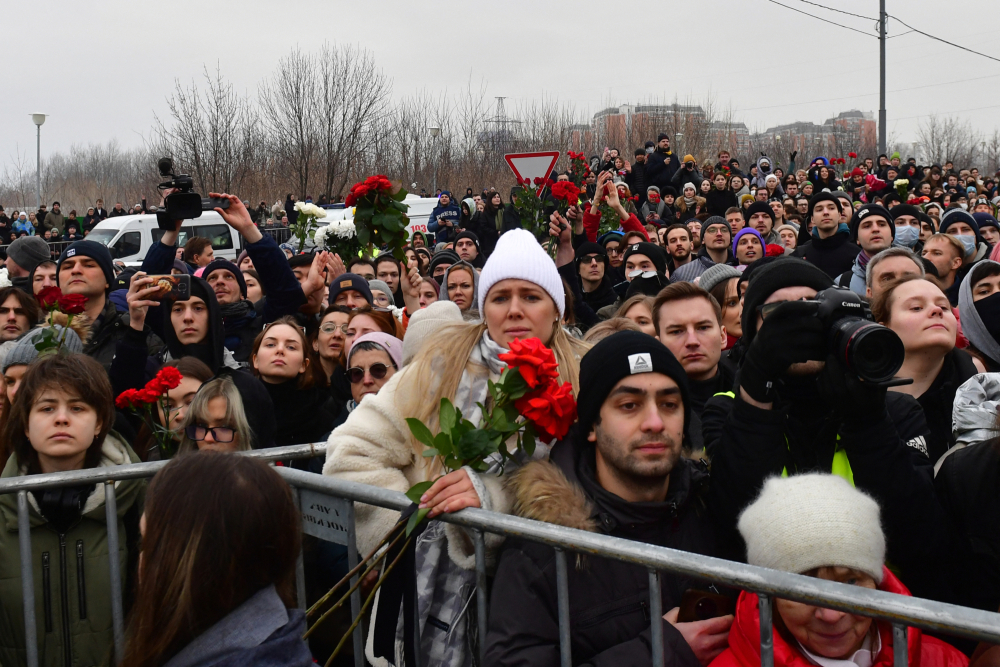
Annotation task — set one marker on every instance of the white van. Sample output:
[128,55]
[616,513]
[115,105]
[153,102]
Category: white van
[418,213]
[129,237]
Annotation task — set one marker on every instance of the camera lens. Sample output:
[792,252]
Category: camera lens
[873,352]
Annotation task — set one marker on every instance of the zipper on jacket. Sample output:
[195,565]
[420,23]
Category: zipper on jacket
[47,590]
[64,598]
[81,589]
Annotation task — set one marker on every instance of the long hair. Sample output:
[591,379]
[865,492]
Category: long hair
[436,372]
[313,374]
[189,367]
[75,374]
[219,528]
[236,416]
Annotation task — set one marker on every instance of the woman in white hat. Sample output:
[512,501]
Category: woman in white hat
[821,526]
[520,296]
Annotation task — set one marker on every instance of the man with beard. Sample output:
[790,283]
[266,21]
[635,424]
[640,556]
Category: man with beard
[623,464]
[592,265]
[716,242]
[678,246]
[19,312]
[662,164]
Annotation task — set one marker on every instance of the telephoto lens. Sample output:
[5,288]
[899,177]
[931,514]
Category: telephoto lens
[871,351]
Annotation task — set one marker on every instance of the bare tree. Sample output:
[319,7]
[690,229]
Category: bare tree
[290,103]
[949,138]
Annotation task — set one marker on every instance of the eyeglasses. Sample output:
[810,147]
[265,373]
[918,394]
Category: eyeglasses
[330,328]
[356,374]
[592,259]
[219,433]
[613,251]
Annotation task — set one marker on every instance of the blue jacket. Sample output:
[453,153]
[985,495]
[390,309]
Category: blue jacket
[452,212]
[20,227]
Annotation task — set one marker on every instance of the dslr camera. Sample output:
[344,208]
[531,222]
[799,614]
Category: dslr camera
[185,204]
[872,352]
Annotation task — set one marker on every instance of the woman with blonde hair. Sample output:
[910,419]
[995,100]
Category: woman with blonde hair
[216,420]
[521,296]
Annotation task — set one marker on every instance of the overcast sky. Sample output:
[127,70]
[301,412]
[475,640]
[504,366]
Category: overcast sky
[103,69]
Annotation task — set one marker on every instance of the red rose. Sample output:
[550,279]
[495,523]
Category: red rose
[536,362]
[72,304]
[539,180]
[350,200]
[49,297]
[551,411]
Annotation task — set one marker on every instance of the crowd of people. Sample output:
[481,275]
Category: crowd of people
[715,414]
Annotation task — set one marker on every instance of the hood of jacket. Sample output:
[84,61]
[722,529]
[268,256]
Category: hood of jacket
[977,402]
[261,632]
[564,491]
[744,636]
[443,291]
[972,324]
[114,452]
[212,349]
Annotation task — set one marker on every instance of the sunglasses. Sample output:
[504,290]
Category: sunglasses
[592,259]
[356,374]
[330,328]
[219,433]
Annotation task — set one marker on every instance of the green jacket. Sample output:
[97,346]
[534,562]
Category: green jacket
[72,578]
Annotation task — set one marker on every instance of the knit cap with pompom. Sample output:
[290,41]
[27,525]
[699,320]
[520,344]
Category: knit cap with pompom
[803,522]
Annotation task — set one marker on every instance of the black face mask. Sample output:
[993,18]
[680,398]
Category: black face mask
[989,313]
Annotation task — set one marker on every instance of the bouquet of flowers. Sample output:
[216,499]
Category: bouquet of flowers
[526,404]
[340,236]
[579,170]
[62,310]
[380,214]
[530,205]
[902,186]
[154,396]
[306,223]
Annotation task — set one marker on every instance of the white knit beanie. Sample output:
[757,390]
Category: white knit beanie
[425,323]
[803,522]
[518,255]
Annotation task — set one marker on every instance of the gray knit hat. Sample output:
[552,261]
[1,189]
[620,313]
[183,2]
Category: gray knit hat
[381,286]
[715,220]
[29,251]
[714,275]
[25,352]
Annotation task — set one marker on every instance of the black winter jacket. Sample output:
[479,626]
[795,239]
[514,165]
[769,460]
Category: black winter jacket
[608,600]
[833,255]
[660,168]
[887,459]
[939,398]
[717,202]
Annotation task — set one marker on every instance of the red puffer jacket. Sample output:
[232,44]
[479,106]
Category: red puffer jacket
[744,640]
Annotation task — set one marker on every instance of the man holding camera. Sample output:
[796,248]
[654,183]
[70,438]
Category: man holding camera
[688,173]
[798,408]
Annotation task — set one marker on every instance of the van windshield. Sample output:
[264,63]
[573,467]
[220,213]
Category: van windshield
[102,235]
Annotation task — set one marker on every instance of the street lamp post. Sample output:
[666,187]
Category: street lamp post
[435,131]
[38,119]
[677,141]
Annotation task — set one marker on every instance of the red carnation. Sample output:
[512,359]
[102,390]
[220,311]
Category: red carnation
[72,304]
[852,155]
[774,250]
[127,399]
[566,191]
[536,362]
[49,297]
[168,378]
[551,411]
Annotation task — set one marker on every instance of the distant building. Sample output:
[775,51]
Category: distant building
[847,131]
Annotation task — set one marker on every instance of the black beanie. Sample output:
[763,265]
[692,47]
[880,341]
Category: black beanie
[591,248]
[904,209]
[951,216]
[469,235]
[616,357]
[443,257]
[866,211]
[651,250]
[94,250]
[822,196]
[758,207]
[226,265]
[789,272]
[350,281]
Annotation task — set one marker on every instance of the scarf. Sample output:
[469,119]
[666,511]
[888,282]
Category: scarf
[689,202]
[473,388]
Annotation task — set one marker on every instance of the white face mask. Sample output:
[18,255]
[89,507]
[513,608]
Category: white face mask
[906,237]
[965,207]
[968,241]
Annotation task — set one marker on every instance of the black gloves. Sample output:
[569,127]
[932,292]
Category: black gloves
[793,154]
[859,404]
[789,334]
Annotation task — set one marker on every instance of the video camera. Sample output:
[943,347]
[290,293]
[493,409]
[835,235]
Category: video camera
[872,352]
[185,204]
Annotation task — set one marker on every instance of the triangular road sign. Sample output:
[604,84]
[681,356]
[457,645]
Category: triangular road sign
[529,166]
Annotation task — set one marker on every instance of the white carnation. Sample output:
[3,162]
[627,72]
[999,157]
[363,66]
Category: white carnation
[4,279]
[344,229]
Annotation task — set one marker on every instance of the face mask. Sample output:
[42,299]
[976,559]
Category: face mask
[906,237]
[969,242]
[988,310]
[965,207]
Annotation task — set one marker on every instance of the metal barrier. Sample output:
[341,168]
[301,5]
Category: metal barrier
[55,248]
[328,513]
[279,234]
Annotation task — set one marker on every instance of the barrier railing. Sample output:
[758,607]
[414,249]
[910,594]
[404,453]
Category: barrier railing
[328,513]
